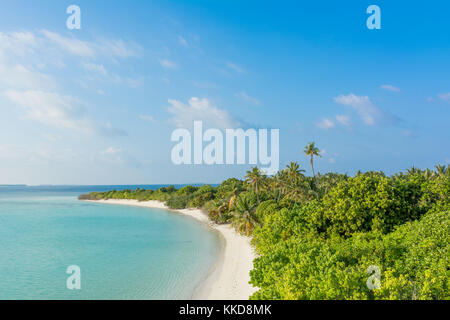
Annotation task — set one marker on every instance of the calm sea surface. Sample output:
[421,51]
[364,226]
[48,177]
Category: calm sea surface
[123,252]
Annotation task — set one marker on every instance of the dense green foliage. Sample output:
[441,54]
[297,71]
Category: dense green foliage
[317,236]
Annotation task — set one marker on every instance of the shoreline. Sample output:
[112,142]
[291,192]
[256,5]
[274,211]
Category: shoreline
[228,280]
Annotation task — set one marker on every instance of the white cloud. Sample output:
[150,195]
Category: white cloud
[111,151]
[244,96]
[134,82]
[19,77]
[409,134]
[389,87]
[99,68]
[167,64]
[444,96]
[332,160]
[344,120]
[147,118]
[50,108]
[235,67]
[119,48]
[326,124]
[64,112]
[24,56]
[17,43]
[112,48]
[202,110]
[368,112]
[109,130]
[71,45]
[182,41]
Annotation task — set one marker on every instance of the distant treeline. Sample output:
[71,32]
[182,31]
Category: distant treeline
[317,236]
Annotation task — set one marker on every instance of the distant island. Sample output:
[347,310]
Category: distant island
[13,185]
[331,236]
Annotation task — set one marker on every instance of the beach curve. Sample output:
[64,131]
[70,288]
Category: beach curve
[229,279]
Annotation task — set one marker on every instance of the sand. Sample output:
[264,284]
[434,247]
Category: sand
[229,278]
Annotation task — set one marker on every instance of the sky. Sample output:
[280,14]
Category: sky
[98,105]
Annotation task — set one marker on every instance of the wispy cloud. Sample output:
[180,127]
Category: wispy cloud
[200,109]
[71,45]
[389,87]
[58,111]
[50,109]
[26,60]
[182,41]
[409,134]
[234,67]
[98,74]
[251,100]
[147,118]
[92,67]
[109,130]
[369,113]
[166,63]
[111,150]
[20,77]
[344,120]
[326,124]
[103,47]
[444,96]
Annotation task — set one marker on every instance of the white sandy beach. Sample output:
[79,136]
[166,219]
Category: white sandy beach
[230,276]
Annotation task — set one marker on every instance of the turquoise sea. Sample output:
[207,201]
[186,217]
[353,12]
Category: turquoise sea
[123,252]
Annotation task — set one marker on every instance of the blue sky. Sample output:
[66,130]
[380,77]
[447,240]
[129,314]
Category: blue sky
[93,106]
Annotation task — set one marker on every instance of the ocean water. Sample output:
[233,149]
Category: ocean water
[123,252]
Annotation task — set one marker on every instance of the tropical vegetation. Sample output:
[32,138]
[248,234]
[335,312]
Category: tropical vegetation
[317,237]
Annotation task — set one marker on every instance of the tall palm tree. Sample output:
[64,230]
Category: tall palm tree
[244,219]
[278,184]
[311,150]
[234,194]
[294,172]
[256,180]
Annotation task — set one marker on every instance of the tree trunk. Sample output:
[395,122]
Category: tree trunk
[312,166]
[257,192]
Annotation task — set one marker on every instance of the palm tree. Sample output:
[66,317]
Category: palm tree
[428,174]
[441,170]
[413,170]
[294,172]
[278,184]
[244,219]
[311,150]
[217,214]
[234,194]
[256,180]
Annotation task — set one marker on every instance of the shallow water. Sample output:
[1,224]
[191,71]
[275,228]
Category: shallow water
[123,252]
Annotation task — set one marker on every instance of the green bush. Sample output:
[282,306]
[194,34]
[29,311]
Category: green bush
[414,264]
[367,202]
